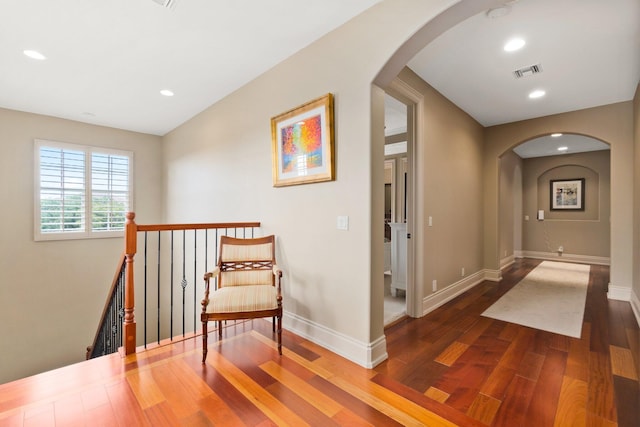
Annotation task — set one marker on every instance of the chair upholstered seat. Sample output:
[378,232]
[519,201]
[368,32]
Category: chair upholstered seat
[234,299]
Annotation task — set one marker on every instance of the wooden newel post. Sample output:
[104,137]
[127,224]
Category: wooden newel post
[130,248]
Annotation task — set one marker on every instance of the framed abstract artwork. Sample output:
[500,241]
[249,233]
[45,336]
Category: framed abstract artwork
[567,194]
[302,143]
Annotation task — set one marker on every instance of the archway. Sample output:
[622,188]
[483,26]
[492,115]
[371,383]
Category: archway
[571,233]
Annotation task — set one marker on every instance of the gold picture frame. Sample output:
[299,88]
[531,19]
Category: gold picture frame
[302,144]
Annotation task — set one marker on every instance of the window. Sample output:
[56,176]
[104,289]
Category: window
[81,191]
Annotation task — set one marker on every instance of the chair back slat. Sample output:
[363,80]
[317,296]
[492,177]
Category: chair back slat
[246,261]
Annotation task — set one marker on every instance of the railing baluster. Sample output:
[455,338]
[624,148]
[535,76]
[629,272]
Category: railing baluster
[195,272]
[184,280]
[145,289]
[158,288]
[171,287]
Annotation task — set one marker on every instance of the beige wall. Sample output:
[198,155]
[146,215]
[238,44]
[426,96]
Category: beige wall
[448,188]
[612,124]
[52,292]
[584,233]
[218,167]
[510,210]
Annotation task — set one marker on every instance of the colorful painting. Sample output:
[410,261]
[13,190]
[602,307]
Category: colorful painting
[567,194]
[302,143]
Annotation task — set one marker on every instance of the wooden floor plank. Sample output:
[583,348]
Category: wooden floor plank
[622,363]
[325,404]
[484,408]
[600,401]
[270,406]
[543,406]
[145,388]
[572,405]
[513,409]
[437,394]
[451,353]
[627,398]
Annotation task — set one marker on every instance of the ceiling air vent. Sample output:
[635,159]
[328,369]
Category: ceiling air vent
[528,71]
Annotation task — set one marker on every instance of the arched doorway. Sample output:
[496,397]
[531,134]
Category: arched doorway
[580,232]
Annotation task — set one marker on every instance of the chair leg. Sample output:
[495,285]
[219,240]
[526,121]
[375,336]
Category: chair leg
[280,335]
[273,323]
[219,329]
[204,341]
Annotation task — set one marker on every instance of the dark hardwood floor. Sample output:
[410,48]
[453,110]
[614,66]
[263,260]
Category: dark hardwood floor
[451,367]
[503,374]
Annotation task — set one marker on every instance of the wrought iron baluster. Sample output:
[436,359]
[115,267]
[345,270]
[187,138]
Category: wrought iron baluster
[183,283]
[145,289]
[195,280]
[171,287]
[158,288]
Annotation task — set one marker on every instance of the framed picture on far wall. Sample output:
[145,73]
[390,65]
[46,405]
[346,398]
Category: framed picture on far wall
[302,143]
[567,194]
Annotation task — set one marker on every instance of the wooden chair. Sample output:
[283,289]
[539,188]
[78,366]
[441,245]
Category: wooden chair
[248,286]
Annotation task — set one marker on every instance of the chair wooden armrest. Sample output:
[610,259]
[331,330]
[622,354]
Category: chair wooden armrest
[278,273]
[209,274]
[207,279]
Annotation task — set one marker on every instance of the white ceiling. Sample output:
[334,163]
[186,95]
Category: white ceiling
[548,146]
[108,60]
[589,51]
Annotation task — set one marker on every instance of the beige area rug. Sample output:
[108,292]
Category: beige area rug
[551,298]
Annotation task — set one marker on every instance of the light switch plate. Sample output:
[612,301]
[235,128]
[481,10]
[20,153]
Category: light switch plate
[343,222]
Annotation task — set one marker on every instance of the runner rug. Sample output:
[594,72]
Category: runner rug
[551,298]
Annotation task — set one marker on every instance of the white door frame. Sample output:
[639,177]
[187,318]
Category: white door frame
[415,109]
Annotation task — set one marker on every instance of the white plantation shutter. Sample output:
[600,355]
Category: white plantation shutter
[62,190]
[81,191]
[109,191]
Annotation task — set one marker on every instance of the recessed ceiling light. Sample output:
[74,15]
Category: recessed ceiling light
[556,135]
[537,94]
[513,45]
[166,92]
[563,148]
[34,54]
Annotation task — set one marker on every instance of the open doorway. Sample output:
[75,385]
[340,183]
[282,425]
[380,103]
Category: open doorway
[396,212]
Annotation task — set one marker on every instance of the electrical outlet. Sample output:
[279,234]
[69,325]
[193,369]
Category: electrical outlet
[435,285]
[462,272]
[560,249]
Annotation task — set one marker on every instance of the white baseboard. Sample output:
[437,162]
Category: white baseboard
[554,256]
[445,295]
[635,306]
[364,354]
[619,293]
[507,261]
[492,275]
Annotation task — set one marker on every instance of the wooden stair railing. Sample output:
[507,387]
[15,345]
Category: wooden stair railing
[126,271]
